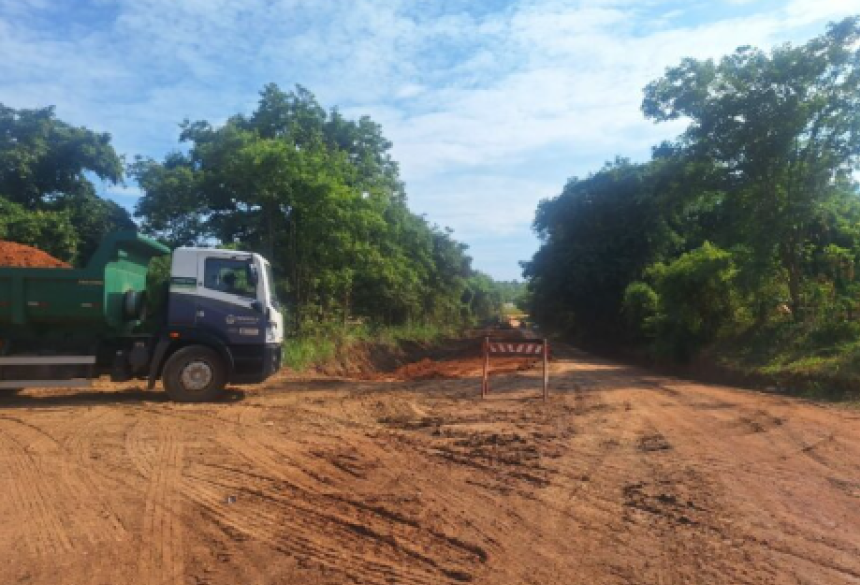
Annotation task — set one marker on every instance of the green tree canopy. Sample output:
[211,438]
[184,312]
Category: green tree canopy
[784,130]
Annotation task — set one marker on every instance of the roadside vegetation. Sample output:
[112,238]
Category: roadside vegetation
[328,345]
[738,242]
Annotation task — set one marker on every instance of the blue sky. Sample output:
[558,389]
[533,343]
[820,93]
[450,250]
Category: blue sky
[491,104]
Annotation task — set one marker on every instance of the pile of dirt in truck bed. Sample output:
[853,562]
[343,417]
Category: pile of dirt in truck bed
[14,254]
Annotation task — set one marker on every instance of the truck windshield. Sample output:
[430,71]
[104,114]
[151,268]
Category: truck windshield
[270,282]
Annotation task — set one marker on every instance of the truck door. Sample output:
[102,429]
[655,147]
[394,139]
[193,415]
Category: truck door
[227,301]
[184,286]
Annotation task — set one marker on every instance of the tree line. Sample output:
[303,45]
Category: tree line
[749,221]
[317,193]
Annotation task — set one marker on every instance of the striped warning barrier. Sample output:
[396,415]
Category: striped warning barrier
[524,347]
[531,348]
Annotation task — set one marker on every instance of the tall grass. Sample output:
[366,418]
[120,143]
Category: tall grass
[819,361]
[325,343]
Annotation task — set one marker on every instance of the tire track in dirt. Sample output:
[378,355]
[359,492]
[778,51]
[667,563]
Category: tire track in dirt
[141,452]
[294,528]
[673,503]
[340,531]
[511,449]
[312,530]
[733,418]
[161,558]
[709,429]
[79,474]
[46,532]
[744,413]
[665,504]
[684,508]
[611,461]
[66,480]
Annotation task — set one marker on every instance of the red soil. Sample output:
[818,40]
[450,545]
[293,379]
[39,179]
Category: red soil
[463,367]
[13,254]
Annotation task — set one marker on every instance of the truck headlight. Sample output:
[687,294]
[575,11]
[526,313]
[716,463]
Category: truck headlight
[271,332]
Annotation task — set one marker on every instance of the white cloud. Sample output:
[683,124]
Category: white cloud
[409,90]
[801,12]
[487,204]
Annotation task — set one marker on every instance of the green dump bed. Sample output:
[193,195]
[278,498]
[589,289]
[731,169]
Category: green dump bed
[35,301]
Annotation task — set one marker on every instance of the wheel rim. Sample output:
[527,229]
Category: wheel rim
[196,375]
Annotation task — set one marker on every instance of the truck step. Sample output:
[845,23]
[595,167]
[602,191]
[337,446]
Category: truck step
[45,384]
[46,360]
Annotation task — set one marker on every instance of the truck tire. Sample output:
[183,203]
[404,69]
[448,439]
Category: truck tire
[194,374]
[134,305]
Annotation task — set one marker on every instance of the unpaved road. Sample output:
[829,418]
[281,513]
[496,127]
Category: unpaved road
[622,477]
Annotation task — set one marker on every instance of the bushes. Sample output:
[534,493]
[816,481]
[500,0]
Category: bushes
[692,301]
[50,231]
[640,306]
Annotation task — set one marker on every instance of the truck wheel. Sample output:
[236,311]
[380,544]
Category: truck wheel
[134,305]
[194,374]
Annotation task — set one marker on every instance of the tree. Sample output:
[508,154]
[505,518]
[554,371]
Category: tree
[695,299]
[597,236]
[784,130]
[174,208]
[483,297]
[44,168]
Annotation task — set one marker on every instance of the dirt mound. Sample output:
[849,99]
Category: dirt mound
[464,367]
[448,359]
[14,254]
[462,358]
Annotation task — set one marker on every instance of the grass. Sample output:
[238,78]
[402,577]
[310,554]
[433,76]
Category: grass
[820,362]
[301,353]
[324,345]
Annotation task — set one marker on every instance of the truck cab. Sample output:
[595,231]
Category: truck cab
[223,302]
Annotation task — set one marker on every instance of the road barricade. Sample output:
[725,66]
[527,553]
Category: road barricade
[515,348]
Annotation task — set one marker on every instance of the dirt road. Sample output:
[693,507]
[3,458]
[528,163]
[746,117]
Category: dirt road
[622,477]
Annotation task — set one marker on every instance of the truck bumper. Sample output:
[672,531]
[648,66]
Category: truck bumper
[253,364]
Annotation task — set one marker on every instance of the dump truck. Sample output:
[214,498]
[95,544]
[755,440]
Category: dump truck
[218,320]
